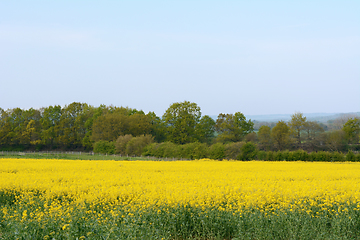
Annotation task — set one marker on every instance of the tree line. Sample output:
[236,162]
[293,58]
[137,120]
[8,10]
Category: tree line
[79,126]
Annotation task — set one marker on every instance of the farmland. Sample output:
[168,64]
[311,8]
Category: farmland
[202,199]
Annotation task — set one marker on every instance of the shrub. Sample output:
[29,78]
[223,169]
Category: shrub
[194,150]
[104,147]
[161,150]
[233,150]
[312,156]
[338,157]
[261,155]
[136,144]
[217,151]
[248,151]
[278,156]
[350,156]
[121,142]
[357,157]
[300,155]
[270,156]
[323,156]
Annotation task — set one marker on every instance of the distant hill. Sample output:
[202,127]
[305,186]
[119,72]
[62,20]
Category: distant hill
[318,117]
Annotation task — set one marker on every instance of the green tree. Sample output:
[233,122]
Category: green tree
[217,151]
[296,125]
[248,151]
[233,127]
[50,126]
[233,150]
[109,127]
[180,120]
[335,140]
[136,145]
[121,143]
[280,134]
[157,129]
[72,124]
[264,137]
[205,129]
[313,135]
[352,130]
[139,124]
[104,147]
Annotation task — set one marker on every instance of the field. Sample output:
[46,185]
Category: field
[78,199]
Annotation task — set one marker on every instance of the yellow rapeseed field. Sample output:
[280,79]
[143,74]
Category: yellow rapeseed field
[222,184]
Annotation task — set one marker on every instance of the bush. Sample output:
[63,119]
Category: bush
[261,155]
[248,151]
[350,157]
[286,155]
[217,151]
[233,150]
[278,156]
[338,157]
[194,150]
[121,142]
[323,156]
[312,156]
[270,156]
[357,157]
[136,144]
[162,150]
[300,155]
[104,147]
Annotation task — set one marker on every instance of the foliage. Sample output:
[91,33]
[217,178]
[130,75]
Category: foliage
[264,136]
[350,157]
[233,127]
[181,120]
[205,129]
[78,126]
[248,151]
[297,124]
[217,151]
[136,145]
[121,143]
[233,150]
[105,147]
[162,150]
[280,134]
[352,130]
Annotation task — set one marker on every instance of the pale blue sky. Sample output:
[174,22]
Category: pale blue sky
[256,57]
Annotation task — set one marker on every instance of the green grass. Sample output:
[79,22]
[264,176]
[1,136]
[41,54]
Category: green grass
[73,156]
[177,222]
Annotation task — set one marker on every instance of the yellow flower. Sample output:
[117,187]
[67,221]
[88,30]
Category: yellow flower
[65,226]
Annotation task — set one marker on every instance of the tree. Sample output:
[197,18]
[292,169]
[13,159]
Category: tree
[50,119]
[352,130]
[264,137]
[313,137]
[136,145]
[139,124]
[205,129]
[296,125]
[335,140]
[72,124]
[248,151]
[109,127]
[280,134]
[233,127]
[180,120]
[157,128]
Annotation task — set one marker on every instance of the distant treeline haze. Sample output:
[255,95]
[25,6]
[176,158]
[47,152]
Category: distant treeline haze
[123,130]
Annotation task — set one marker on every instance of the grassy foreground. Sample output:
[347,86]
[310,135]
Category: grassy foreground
[61,199]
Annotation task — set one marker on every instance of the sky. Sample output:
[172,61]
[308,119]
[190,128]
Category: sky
[255,57]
